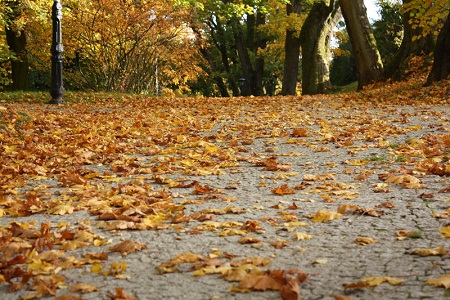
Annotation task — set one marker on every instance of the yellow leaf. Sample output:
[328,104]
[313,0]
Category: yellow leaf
[430,252]
[408,181]
[295,224]
[325,216]
[365,240]
[84,288]
[441,281]
[231,232]
[61,210]
[446,231]
[376,281]
[40,267]
[302,236]
[96,268]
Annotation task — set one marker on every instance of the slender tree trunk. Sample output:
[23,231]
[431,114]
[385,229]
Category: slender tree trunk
[315,41]
[408,47]
[247,88]
[291,53]
[260,43]
[441,64]
[367,56]
[17,43]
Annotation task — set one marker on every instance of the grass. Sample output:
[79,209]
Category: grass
[69,97]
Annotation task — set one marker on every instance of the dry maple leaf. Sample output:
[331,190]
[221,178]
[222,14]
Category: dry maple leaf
[249,240]
[324,216]
[279,244]
[261,283]
[256,261]
[283,190]
[290,290]
[365,241]
[376,281]
[443,281]
[300,132]
[84,288]
[408,181]
[302,236]
[446,231]
[121,295]
[430,252]
[128,247]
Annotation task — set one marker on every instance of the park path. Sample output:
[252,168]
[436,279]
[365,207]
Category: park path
[354,194]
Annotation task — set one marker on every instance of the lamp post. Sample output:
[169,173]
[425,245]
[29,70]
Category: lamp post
[57,89]
[242,85]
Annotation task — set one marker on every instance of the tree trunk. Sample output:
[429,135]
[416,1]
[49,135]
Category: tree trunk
[291,53]
[17,42]
[367,57]
[247,87]
[441,64]
[408,47]
[260,43]
[315,41]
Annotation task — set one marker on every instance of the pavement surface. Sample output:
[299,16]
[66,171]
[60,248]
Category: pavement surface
[260,169]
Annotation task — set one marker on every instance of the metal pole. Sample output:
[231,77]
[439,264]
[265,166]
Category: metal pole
[57,89]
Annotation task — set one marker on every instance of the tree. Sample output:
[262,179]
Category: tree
[315,39]
[388,30]
[291,50]
[129,46]
[367,56]
[17,43]
[411,45]
[343,67]
[441,64]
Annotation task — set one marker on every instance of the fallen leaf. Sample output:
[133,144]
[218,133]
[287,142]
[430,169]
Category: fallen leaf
[443,281]
[84,288]
[365,241]
[283,190]
[128,247]
[302,236]
[325,216]
[121,295]
[446,231]
[430,252]
[376,281]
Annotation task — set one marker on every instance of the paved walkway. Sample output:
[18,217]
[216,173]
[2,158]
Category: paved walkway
[340,191]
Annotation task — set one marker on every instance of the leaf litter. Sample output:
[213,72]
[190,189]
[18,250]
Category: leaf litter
[131,166]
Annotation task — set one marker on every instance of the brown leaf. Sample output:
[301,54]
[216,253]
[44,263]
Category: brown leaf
[128,247]
[283,190]
[84,288]
[261,283]
[291,290]
[121,295]
[279,244]
[443,281]
[365,241]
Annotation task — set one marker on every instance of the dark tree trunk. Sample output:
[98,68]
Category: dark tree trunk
[291,53]
[367,56]
[315,41]
[260,43]
[408,47]
[441,64]
[17,44]
[247,88]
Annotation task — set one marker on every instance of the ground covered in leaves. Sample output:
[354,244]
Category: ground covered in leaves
[325,197]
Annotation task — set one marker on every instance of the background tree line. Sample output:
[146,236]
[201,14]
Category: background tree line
[221,47]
